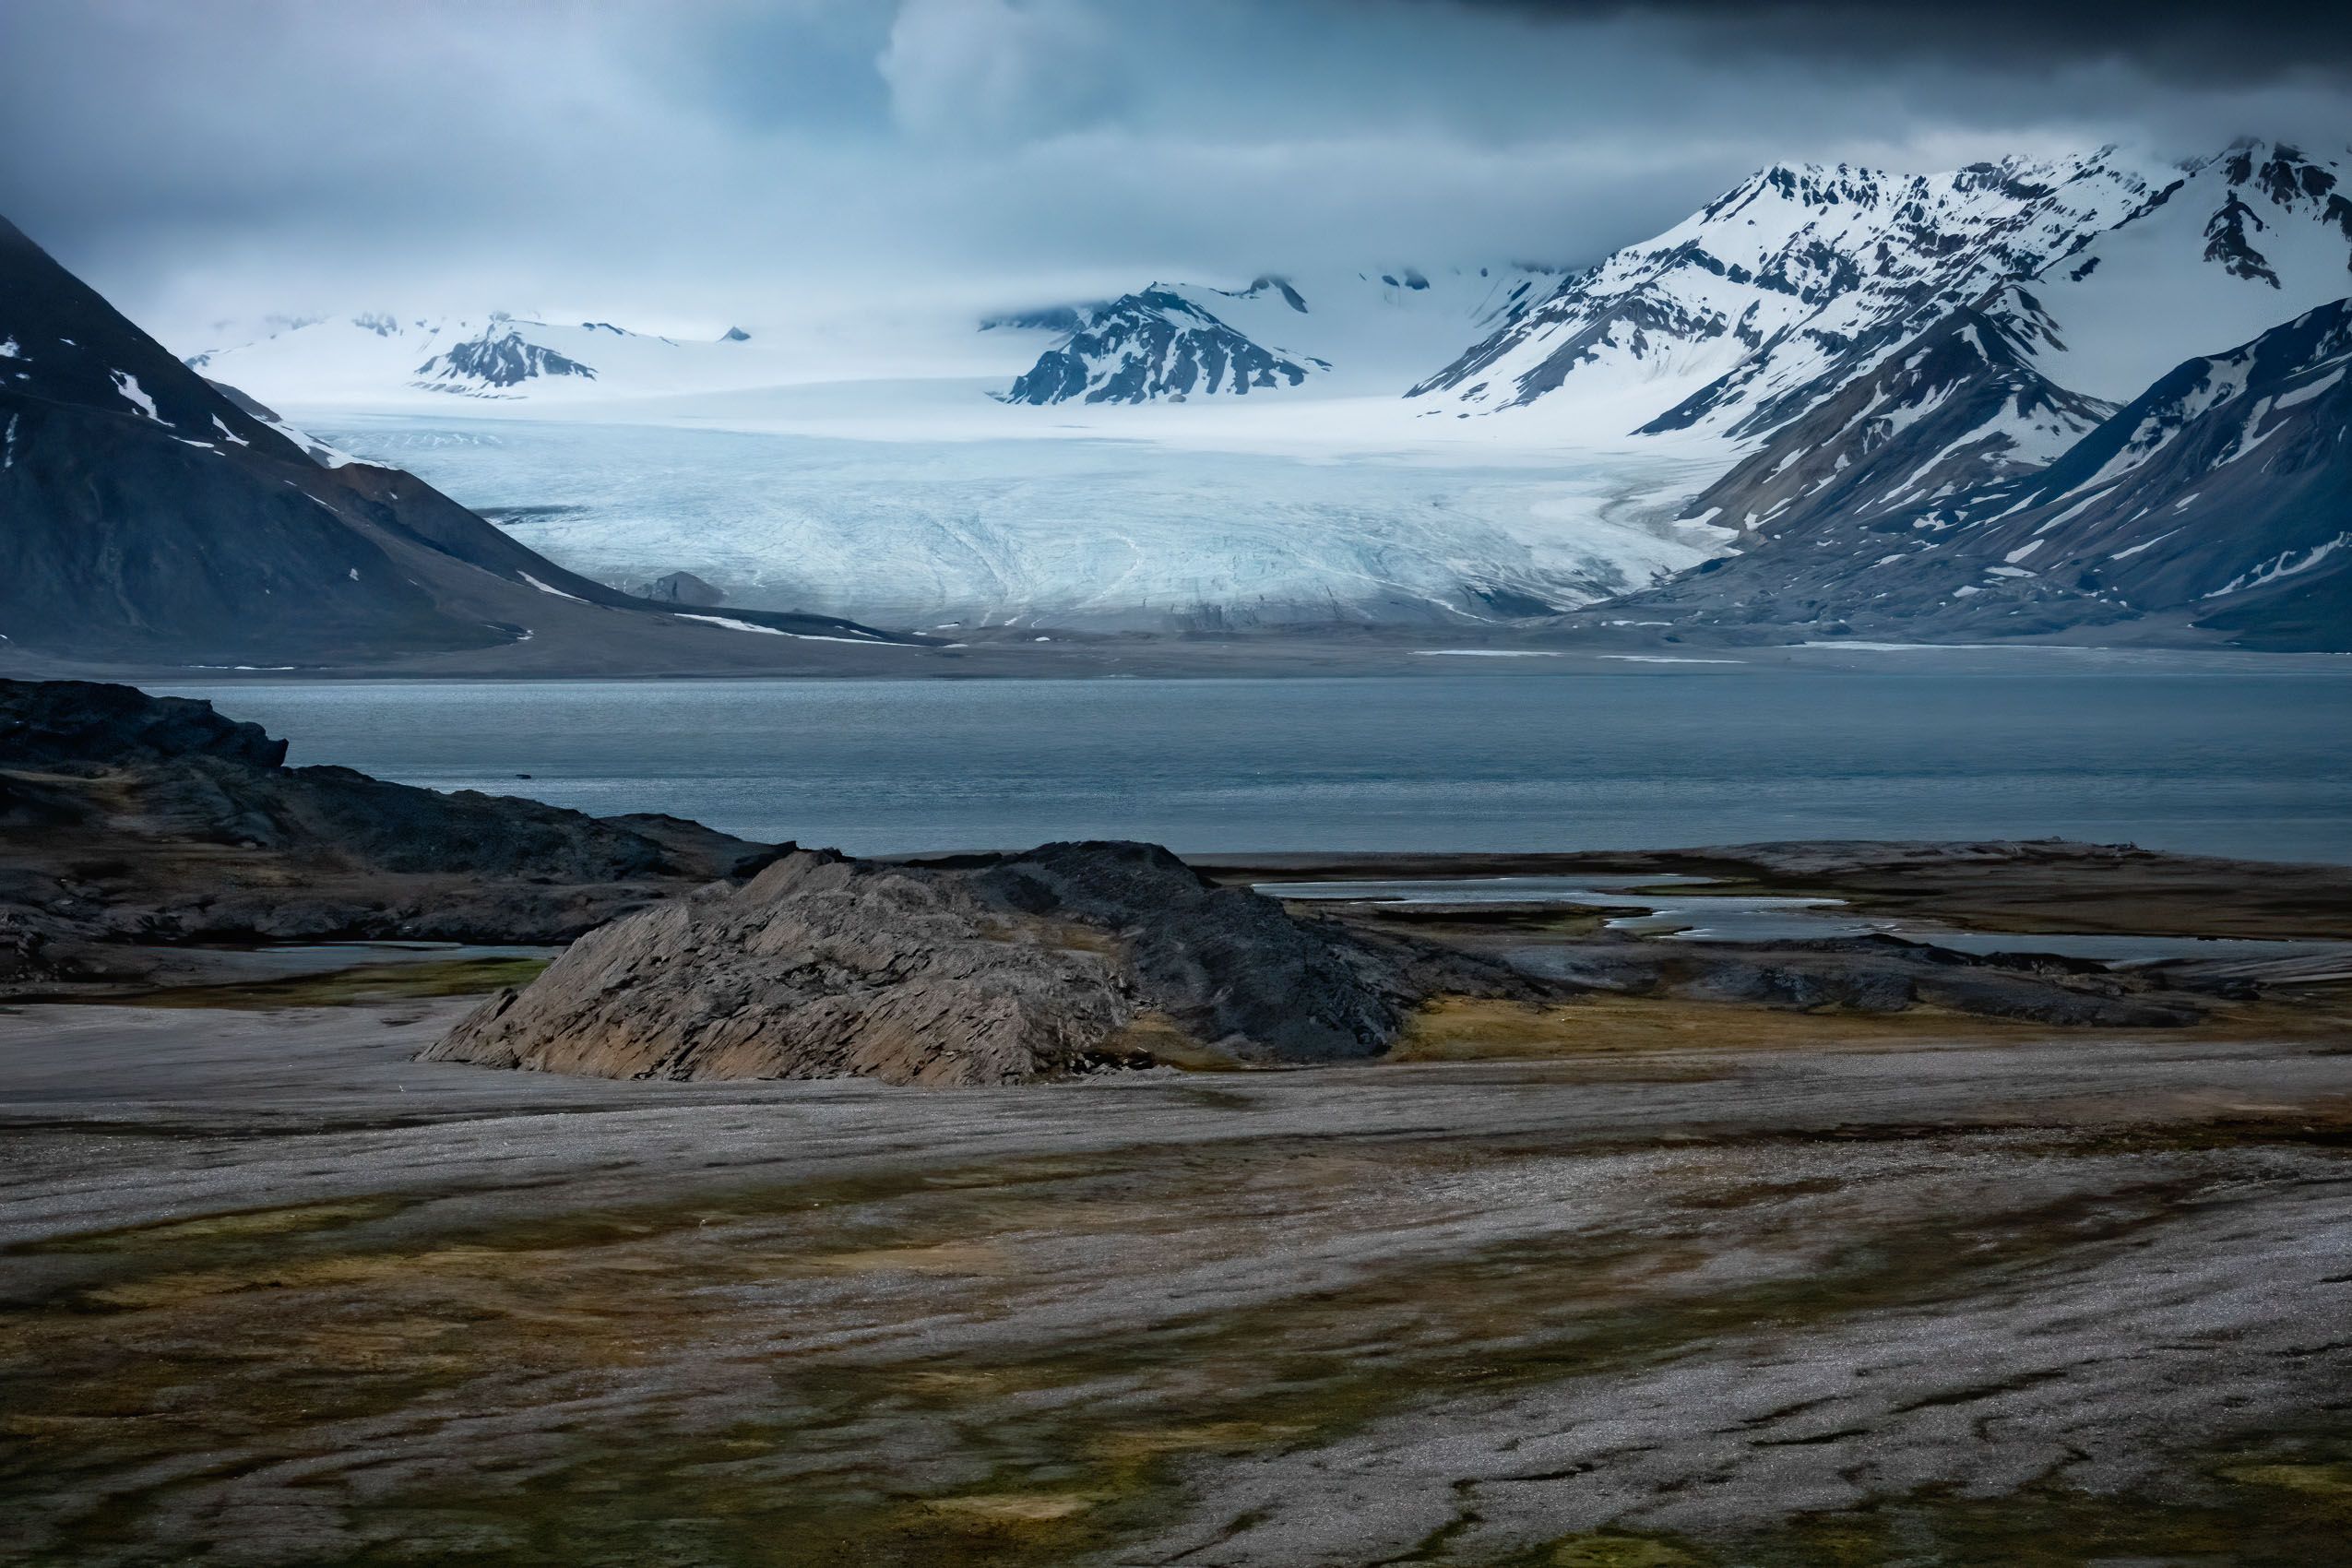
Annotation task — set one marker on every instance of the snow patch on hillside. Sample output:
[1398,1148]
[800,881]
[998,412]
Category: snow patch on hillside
[135,395]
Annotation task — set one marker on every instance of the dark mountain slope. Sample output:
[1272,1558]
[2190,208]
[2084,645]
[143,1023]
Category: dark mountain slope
[2220,498]
[1955,406]
[2226,490]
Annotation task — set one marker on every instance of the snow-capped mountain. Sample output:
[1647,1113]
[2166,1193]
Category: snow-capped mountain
[2223,251]
[1141,348]
[1730,319]
[2227,483]
[1978,474]
[992,524]
[1347,332]
[496,360]
[2221,496]
[378,357]
[2011,379]
[1959,405]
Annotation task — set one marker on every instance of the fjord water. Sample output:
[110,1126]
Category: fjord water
[2232,762]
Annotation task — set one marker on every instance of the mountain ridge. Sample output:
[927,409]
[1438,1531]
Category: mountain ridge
[1722,320]
[2229,480]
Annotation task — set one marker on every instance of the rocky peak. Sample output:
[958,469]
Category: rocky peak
[1267,284]
[1152,345]
[1761,303]
[500,357]
[2278,171]
[1822,185]
[63,347]
[2228,243]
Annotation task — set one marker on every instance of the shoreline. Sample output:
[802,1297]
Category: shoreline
[1373,653]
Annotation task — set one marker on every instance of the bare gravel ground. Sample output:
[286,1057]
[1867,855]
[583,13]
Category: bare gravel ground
[272,1293]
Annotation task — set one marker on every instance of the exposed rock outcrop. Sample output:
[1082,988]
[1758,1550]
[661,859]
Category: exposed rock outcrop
[1873,974]
[680,587]
[1156,345]
[982,971]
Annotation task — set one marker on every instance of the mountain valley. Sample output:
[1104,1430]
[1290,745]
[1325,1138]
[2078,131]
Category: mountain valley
[2086,397]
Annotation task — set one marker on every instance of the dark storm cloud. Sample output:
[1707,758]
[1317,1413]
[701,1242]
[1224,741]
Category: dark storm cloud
[2197,39]
[691,163]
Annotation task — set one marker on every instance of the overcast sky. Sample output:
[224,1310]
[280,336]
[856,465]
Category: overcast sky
[697,162]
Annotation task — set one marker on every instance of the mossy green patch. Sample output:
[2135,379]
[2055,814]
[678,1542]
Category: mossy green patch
[2330,1483]
[235,1225]
[356,986]
[1610,1549]
[1468,1028]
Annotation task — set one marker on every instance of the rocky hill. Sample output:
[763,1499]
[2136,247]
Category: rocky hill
[994,969]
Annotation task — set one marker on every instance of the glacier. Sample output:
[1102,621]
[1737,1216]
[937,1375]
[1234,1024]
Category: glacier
[1086,533]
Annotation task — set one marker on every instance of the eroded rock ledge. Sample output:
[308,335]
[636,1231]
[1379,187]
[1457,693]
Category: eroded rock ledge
[986,970]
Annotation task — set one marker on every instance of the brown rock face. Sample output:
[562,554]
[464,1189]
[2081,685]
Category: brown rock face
[997,969]
[819,967]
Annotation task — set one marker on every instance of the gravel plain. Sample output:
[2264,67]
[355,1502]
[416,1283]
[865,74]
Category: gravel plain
[276,1293]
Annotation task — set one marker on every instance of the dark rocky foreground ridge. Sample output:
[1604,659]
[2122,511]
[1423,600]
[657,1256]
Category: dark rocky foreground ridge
[128,821]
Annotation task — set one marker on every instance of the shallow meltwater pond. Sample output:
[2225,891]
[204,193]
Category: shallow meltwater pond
[1696,909]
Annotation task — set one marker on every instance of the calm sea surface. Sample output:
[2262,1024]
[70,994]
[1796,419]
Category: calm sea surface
[2241,763]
